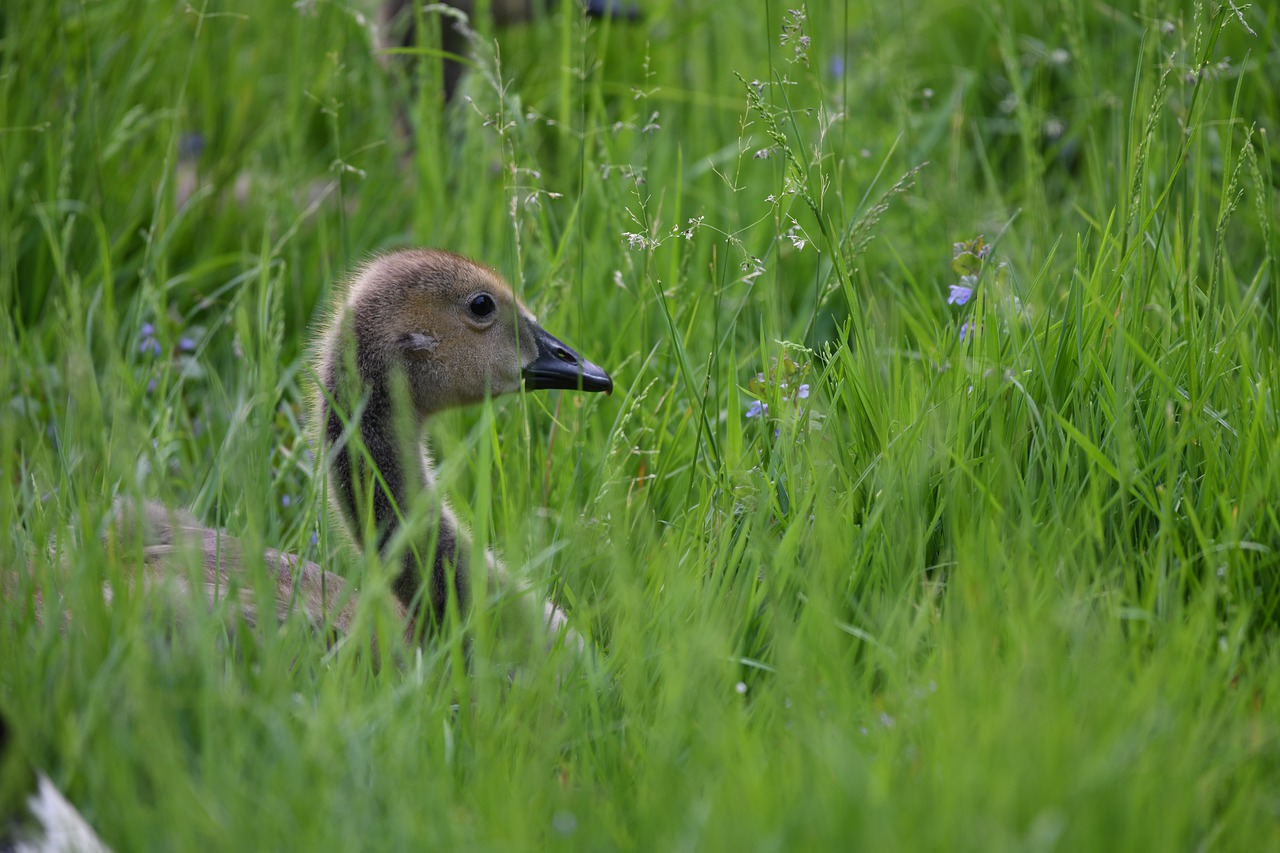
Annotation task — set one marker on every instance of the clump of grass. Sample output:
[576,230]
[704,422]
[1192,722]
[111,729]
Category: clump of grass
[1002,575]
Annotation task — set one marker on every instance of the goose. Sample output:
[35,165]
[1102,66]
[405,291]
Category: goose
[399,25]
[413,333]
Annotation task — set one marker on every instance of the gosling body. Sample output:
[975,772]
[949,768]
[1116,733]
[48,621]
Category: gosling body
[421,331]
[413,333]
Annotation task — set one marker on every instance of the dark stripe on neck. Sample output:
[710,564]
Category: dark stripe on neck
[400,469]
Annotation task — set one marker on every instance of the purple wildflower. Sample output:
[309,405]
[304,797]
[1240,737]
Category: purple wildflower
[186,344]
[148,344]
[190,145]
[962,292]
[564,822]
[285,500]
[802,393]
[758,409]
[964,329]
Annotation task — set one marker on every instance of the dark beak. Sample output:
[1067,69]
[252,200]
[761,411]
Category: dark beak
[558,366]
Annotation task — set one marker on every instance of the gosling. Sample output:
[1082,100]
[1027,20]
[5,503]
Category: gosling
[413,333]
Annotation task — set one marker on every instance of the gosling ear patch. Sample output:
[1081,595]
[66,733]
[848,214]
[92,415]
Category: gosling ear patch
[418,342]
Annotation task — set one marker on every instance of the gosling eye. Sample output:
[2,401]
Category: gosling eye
[482,306]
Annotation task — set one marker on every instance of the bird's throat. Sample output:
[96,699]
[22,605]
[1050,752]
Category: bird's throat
[379,475]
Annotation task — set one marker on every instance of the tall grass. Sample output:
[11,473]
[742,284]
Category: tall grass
[1005,578]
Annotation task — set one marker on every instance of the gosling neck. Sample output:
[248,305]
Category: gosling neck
[393,440]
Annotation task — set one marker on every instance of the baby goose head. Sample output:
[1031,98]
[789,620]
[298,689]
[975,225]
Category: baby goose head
[455,331]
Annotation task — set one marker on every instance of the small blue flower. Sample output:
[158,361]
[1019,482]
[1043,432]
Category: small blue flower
[758,409]
[962,292]
[190,145]
[314,538]
[186,344]
[148,330]
[802,393]
[964,329]
[285,500]
[564,822]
